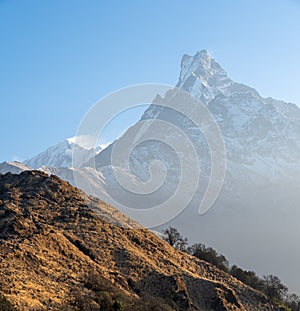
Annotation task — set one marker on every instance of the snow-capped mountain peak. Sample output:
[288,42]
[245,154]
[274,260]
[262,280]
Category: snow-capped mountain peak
[60,155]
[201,66]
[203,77]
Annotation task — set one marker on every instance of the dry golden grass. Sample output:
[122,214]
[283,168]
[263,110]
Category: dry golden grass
[50,238]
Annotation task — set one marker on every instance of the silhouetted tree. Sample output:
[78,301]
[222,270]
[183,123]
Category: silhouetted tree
[273,287]
[175,239]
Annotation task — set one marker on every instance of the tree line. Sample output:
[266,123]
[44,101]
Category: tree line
[270,285]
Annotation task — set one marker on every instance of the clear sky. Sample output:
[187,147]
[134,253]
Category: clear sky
[57,57]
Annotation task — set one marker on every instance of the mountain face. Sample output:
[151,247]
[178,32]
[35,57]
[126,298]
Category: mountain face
[60,155]
[56,252]
[260,134]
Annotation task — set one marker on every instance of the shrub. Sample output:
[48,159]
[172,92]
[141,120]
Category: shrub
[210,255]
[247,277]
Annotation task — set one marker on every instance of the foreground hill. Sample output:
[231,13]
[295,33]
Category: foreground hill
[59,247]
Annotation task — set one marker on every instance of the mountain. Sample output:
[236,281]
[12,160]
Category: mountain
[60,155]
[62,248]
[261,136]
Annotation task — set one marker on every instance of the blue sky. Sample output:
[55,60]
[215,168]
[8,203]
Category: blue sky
[58,57]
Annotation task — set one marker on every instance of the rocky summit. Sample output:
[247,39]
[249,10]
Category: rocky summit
[61,249]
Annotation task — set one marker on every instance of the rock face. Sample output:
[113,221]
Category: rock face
[50,239]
